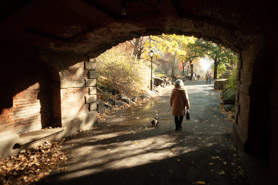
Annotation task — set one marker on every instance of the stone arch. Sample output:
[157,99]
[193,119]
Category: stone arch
[132,32]
[87,28]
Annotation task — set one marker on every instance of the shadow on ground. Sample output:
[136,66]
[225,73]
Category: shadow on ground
[126,150]
[145,157]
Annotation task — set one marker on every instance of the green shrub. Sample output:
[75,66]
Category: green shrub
[229,91]
[232,81]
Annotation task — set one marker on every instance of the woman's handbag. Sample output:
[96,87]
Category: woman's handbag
[187,115]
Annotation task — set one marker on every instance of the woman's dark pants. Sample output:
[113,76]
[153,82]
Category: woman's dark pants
[178,122]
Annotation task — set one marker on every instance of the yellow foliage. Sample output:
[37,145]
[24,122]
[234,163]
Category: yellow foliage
[117,69]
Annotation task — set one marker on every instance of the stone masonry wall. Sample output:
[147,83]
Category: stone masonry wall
[78,96]
[274,121]
[244,77]
[255,129]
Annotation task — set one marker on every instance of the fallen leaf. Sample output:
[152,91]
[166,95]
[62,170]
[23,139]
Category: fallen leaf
[211,164]
[221,173]
[31,165]
[200,182]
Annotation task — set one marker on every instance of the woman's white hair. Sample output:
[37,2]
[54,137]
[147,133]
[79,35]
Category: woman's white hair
[179,83]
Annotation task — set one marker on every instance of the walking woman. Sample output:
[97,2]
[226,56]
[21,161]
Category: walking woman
[178,101]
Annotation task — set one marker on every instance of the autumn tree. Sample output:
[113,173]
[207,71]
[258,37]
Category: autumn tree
[138,46]
[165,62]
[217,53]
[194,50]
[170,45]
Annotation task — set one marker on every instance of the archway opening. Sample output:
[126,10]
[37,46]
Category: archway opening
[171,56]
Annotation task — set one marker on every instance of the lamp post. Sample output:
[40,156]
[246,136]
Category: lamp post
[151,55]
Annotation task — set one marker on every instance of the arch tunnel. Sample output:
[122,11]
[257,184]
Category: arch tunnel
[48,48]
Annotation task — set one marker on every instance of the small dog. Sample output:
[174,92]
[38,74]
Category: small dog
[155,121]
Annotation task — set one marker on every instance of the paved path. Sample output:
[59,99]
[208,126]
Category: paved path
[126,150]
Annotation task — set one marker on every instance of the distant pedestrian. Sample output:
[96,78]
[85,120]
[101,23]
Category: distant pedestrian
[207,77]
[198,76]
[178,101]
[210,77]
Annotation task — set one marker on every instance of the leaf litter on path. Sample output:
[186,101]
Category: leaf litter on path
[31,165]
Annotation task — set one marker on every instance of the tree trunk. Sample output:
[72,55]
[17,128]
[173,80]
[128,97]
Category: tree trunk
[173,66]
[136,46]
[176,59]
[183,70]
[140,51]
[140,48]
[191,70]
[215,68]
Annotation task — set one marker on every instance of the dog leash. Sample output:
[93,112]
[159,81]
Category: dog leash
[165,118]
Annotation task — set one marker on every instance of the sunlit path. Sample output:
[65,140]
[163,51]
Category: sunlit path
[126,150]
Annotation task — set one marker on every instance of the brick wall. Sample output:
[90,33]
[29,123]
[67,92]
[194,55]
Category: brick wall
[256,111]
[48,89]
[77,90]
[244,76]
[78,98]
[73,102]
[274,121]
[274,136]
[73,91]
[26,109]
[29,98]
[57,89]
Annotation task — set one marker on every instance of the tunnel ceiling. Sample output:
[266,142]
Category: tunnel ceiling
[89,27]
